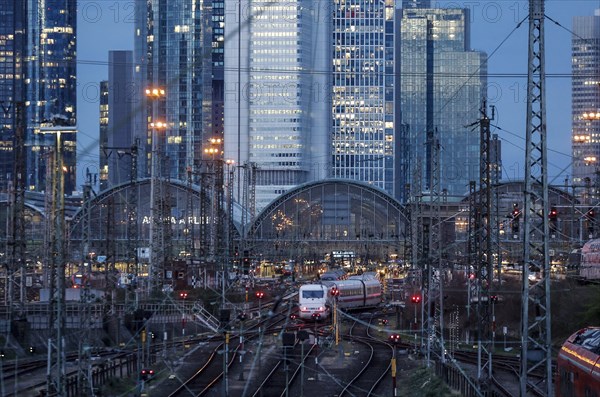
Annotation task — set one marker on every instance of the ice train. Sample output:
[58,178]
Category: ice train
[315,301]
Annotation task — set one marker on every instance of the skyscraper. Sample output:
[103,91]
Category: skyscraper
[12,88]
[117,106]
[173,51]
[364,141]
[443,85]
[276,102]
[103,136]
[38,67]
[585,94]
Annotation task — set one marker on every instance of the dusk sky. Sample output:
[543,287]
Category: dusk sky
[105,25]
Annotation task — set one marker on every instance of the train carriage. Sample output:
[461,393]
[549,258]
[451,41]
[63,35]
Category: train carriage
[589,267]
[578,365]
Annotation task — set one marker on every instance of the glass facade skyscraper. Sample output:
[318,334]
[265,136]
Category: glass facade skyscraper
[12,88]
[442,87]
[585,94]
[173,51]
[38,67]
[363,93]
[275,94]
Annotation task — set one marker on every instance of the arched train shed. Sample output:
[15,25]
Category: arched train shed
[120,222]
[327,217]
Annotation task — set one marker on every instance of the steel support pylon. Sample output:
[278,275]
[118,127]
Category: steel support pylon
[536,345]
[483,221]
[434,297]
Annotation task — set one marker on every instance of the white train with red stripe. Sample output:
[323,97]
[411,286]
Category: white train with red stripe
[315,301]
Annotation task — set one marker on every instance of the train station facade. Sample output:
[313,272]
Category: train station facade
[331,222]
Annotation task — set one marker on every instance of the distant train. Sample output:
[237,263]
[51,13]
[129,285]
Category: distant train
[589,266]
[355,293]
[578,366]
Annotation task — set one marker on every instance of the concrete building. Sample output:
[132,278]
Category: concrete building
[116,136]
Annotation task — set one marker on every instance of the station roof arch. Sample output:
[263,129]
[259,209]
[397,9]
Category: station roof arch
[332,214]
[111,209]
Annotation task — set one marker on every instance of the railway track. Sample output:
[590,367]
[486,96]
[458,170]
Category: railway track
[212,373]
[370,376]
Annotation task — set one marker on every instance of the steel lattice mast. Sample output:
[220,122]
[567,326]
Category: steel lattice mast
[84,379]
[535,330]
[484,236]
[434,298]
[16,238]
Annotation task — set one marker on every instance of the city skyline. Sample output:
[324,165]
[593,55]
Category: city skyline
[507,73]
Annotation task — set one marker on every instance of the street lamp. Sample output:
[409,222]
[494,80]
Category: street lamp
[156,238]
[57,259]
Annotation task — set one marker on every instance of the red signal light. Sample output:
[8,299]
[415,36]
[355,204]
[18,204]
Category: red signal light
[395,338]
[260,294]
[415,299]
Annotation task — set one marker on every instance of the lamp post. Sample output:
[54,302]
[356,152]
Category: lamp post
[156,233]
[57,289]
[212,182]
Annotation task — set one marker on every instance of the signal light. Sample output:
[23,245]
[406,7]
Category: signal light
[395,338]
[183,295]
[260,294]
[415,299]
[590,216]
[516,214]
[335,292]
[146,373]
[316,316]
[242,316]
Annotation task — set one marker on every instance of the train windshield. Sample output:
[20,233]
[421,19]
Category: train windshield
[314,294]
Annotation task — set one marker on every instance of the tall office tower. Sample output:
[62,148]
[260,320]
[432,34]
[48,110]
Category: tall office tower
[51,87]
[363,109]
[218,65]
[116,150]
[277,63]
[585,93]
[103,136]
[172,50]
[12,42]
[38,67]
[442,87]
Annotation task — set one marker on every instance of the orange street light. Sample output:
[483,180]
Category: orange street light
[155,92]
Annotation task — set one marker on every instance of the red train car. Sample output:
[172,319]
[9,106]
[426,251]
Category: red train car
[578,365]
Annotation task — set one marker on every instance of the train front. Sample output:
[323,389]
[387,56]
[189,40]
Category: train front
[312,302]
